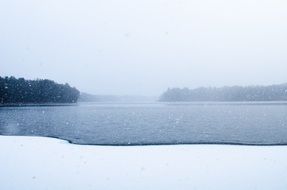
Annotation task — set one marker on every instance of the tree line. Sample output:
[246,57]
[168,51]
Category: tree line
[13,90]
[235,93]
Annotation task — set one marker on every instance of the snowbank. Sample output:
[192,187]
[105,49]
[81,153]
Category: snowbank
[36,163]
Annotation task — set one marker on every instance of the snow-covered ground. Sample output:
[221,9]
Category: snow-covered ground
[36,163]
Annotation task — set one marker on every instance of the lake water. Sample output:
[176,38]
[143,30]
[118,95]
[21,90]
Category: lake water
[151,123]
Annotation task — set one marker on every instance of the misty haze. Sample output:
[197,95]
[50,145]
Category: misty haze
[96,94]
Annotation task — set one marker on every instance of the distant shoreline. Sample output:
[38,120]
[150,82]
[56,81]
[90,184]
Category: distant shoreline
[227,93]
[224,102]
[18,91]
[37,104]
[205,103]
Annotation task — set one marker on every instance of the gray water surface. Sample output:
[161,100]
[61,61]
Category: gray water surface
[151,123]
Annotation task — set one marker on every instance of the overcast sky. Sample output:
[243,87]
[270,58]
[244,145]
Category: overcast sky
[143,47]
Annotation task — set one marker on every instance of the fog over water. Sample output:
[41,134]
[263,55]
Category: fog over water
[143,47]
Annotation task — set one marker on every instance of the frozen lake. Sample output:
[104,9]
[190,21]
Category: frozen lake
[38,163]
[151,123]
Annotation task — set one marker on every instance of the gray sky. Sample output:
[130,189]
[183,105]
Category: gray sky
[143,47]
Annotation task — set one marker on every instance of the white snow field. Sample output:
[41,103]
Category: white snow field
[37,163]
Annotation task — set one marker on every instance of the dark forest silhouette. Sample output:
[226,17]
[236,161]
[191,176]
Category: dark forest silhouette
[235,93]
[14,90]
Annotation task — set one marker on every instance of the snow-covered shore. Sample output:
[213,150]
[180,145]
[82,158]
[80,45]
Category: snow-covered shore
[36,163]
